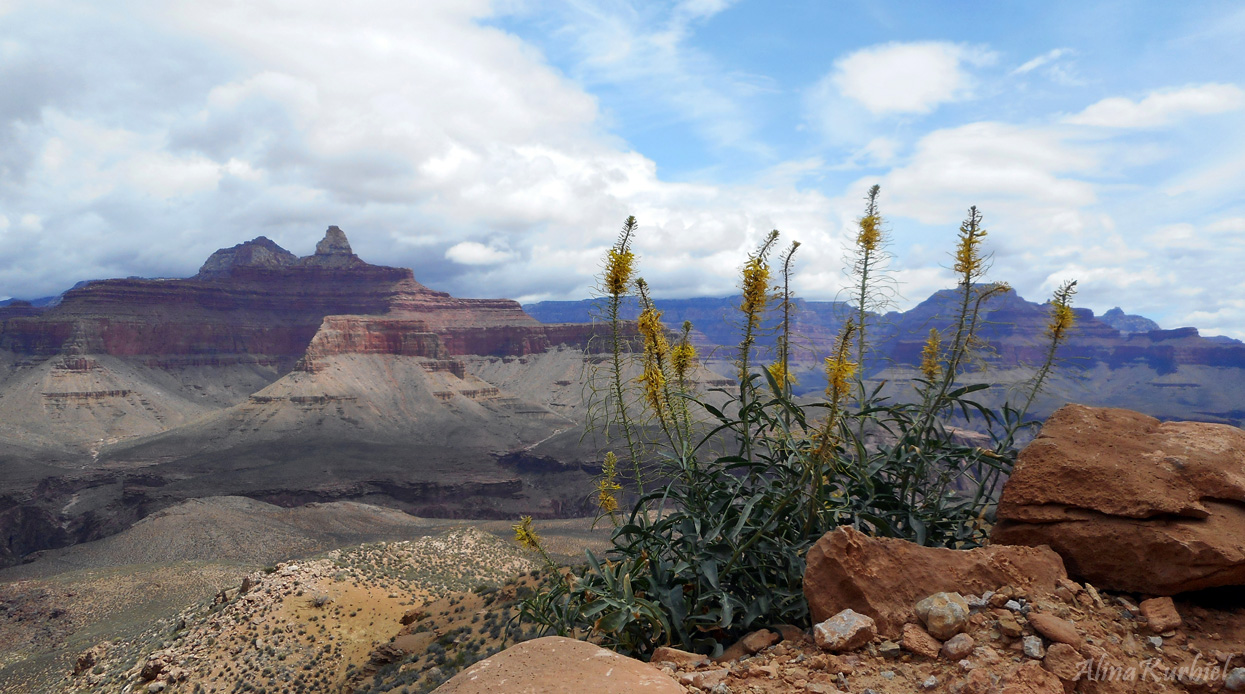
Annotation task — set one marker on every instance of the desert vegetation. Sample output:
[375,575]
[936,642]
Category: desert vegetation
[726,500]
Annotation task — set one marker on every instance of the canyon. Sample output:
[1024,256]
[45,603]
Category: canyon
[325,378]
[1112,360]
[286,380]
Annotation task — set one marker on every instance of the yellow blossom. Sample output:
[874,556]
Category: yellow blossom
[969,262]
[653,331]
[1062,317]
[620,262]
[524,535]
[931,356]
[683,356]
[607,484]
[619,266]
[781,376]
[839,368]
[755,288]
[870,234]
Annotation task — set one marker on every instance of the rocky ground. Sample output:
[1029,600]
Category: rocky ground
[139,598]
[303,626]
[1009,644]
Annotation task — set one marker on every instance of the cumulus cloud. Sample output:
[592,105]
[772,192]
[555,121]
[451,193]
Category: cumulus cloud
[1160,108]
[474,253]
[416,127]
[900,78]
[138,137]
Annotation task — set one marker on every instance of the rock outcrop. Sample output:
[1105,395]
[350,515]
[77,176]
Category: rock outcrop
[556,665]
[259,299]
[265,365]
[1131,503]
[884,578]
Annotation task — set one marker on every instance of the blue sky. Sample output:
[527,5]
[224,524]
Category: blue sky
[495,147]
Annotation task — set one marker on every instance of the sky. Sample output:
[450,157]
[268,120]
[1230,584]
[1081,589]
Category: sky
[497,147]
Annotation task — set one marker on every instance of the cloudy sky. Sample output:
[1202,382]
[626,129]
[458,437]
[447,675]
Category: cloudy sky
[496,147]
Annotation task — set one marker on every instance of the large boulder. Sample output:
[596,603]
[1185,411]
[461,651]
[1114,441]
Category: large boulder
[556,665]
[1131,503]
[884,578]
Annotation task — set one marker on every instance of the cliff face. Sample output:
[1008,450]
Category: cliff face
[1114,360]
[259,299]
[276,377]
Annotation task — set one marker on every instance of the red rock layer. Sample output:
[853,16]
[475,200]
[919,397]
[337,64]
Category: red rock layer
[256,299]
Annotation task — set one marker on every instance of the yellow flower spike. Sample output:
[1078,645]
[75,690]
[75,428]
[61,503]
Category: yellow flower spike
[969,262]
[781,376]
[654,382]
[755,287]
[931,356]
[619,265]
[870,234]
[524,535]
[1062,317]
[654,332]
[620,262]
[839,368]
[607,485]
[682,357]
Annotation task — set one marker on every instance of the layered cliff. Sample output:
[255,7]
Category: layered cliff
[1114,360]
[277,377]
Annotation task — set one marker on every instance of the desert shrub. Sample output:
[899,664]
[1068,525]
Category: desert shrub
[728,498]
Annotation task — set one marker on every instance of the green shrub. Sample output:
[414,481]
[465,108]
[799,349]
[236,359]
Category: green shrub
[714,545]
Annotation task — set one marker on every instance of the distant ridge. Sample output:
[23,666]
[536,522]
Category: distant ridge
[1114,360]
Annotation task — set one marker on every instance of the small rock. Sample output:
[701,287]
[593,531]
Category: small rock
[1161,614]
[930,682]
[918,641]
[846,631]
[704,679]
[1033,647]
[666,654]
[1056,629]
[977,682]
[888,674]
[1063,660]
[1235,681]
[1009,627]
[156,687]
[755,642]
[1156,641]
[958,647]
[1032,678]
[759,640]
[820,688]
[890,649]
[944,614]
[1095,596]
[1013,606]
[411,616]
[720,688]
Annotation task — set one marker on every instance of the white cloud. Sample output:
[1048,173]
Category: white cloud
[908,77]
[423,132]
[1162,107]
[1228,225]
[1044,59]
[994,165]
[473,253]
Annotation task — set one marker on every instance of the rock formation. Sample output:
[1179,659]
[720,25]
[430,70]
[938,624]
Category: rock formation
[1111,360]
[129,395]
[884,578]
[557,665]
[1131,503]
